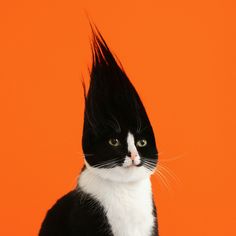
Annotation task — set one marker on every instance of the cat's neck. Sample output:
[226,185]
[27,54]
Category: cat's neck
[128,205]
[91,182]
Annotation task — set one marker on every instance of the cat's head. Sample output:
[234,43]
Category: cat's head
[118,139]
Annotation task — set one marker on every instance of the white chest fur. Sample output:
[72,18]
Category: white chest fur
[128,205]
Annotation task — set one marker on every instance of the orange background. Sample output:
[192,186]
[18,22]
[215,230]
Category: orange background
[180,55]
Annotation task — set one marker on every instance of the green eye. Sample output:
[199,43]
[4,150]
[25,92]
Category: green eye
[141,143]
[114,142]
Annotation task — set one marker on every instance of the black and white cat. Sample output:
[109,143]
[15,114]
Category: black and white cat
[113,196]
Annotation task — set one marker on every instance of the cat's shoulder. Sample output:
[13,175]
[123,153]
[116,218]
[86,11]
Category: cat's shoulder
[75,213]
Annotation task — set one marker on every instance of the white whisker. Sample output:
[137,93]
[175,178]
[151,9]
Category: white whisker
[162,179]
[172,158]
[171,174]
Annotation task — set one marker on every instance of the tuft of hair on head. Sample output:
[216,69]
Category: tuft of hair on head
[110,94]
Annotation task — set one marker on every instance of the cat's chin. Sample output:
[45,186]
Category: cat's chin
[121,174]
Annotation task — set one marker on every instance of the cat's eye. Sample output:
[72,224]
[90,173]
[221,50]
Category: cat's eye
[114,142]
[141,143]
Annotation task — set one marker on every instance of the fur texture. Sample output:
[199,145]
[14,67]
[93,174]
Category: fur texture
[128,206]
[114,195]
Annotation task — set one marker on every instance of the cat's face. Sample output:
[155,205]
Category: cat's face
[128,155]
[118,140]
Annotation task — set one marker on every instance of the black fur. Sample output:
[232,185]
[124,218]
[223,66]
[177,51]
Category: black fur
[79,214]
[112,109]
[76,214]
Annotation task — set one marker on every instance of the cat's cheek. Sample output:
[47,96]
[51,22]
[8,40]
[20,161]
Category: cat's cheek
[121,174]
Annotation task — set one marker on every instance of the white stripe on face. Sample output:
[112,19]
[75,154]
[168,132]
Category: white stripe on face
[135,158]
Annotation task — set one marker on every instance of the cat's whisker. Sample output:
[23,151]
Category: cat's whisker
[150,163]
[163,175]
[163,168]
[150,167]
[162,178]
[106,164]
[150,159]
[108,161]
[171,174]
[172,158]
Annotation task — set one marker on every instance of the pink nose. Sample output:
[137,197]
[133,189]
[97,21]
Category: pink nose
[133,155]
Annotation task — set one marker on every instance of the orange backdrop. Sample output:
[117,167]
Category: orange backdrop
[180,55]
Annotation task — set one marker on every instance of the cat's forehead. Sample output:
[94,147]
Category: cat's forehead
[125,122]
[127,133]
[121,128]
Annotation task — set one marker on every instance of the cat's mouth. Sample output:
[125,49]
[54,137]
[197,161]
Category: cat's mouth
[133,166]
[132,163]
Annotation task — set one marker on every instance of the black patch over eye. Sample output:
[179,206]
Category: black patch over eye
[141,143]
[114,142]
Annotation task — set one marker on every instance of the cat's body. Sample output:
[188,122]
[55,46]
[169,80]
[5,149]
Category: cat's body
[113,196]
[128,206]
[102,208]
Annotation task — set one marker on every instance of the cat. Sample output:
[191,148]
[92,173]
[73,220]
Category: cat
[113,196]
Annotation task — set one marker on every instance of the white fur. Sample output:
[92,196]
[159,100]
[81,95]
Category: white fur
[134,152]
[128,206]
[124,192]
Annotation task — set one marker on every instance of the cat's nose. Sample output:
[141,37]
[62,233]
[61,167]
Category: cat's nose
[132,155]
